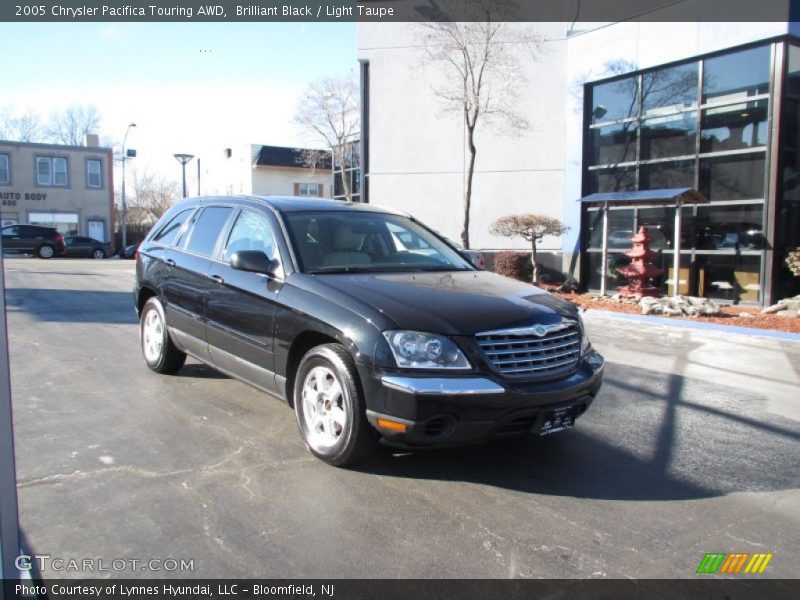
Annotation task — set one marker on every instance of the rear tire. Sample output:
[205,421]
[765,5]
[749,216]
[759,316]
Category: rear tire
[98,254]
[330,408]
[45,251]
[160,353]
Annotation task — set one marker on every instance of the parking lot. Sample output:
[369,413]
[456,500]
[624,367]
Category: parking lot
[691,447]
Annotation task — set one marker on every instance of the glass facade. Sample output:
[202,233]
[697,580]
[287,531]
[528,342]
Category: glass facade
[350,172]
[702,123]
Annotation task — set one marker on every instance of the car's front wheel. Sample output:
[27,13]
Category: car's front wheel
[160,353]
[330,408]
[98,254]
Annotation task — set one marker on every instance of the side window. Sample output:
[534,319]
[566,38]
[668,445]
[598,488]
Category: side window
[11,230]
[206,230]
[170,231]
[251,232]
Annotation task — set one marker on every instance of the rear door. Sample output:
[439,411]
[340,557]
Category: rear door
[188,284]
[241,306]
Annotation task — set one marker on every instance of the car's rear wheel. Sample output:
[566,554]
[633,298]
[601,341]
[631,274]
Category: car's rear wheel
[45,251]
[330,409]
[98,254]
[160,353]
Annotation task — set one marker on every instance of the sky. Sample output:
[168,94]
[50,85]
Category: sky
[194,88]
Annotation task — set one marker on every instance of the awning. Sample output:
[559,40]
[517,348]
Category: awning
[668,197]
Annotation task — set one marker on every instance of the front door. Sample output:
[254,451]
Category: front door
[241,306]
[97,230]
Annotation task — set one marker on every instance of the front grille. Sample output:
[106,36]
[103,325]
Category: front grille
[521,352]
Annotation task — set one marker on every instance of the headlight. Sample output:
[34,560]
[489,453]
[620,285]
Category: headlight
[586,345]
[416,350]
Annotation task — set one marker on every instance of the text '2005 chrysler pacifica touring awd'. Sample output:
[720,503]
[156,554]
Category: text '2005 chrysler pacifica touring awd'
[373,327]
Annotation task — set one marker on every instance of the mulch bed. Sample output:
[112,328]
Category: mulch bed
[730,314]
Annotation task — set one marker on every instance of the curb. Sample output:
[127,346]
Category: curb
[687,324]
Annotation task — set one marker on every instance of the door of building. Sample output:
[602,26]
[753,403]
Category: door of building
[97,230]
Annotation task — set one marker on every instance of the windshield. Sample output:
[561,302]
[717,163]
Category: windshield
[349,242]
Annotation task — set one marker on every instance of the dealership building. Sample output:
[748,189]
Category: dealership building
[614,107]
[66,187]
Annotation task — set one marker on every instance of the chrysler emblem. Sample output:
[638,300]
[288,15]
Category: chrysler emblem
[539,330]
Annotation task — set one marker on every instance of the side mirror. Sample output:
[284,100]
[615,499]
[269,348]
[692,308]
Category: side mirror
[254,261]
[475,258]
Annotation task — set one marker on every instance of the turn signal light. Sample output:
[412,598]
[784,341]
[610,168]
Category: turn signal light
[392,425]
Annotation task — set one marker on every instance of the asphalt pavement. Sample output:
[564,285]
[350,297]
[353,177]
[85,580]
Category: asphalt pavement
[691,447]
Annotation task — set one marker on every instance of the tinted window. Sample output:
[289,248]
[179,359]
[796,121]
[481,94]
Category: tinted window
[169,232]
[669,90]
[736,76]
[251,232]
[615,100]
[207,228]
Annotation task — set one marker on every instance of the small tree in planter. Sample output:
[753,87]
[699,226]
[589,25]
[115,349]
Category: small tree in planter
[531,228]
[793,261]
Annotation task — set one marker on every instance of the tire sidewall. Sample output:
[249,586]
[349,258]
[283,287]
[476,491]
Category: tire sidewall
[42,248]
[322,356]
[153,304]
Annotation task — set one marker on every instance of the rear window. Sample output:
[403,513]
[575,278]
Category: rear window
[169,232]
[207,228]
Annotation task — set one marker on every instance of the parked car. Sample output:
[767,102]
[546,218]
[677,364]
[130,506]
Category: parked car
[129,251]
[82,247]
[44,242]
[315,302]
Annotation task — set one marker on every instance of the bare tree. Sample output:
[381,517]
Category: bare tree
[329,112]
[531,228]
[152,197]
[24,126]
[70,125]
[483,74]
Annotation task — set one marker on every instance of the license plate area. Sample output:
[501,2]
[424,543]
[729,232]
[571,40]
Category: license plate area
[556,420]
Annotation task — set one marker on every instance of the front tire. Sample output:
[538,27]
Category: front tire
[45,251]
[160,353]
[330,408]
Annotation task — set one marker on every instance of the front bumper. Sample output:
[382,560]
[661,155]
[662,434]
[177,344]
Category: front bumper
[446,411]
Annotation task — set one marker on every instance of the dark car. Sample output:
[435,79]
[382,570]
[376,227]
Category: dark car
[129,251]
[82,247]
[44,242]
[369,340]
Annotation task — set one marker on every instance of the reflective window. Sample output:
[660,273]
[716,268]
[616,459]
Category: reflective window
[735,76]
[614,278]
[66,223]
[733,278]
[670,90]
[170,231]
[739,177]
[51,171]
[673,135]
[5,172]
[659,223]
[614,144]
[614,179]
[793,71]
[735,126]
[94,177]
[207,227]
[672,174]
[251,232]
[737,227]
[620,228]
[615,100]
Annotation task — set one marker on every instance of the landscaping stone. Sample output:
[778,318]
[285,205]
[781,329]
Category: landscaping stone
[785,304]
[746,315]
[679,306]
[790,314]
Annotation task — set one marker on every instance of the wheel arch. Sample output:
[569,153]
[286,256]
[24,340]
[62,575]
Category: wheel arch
[302,343]
[145,293]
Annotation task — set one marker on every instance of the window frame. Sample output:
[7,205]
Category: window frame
[7,157]
[50,161]
[101,182]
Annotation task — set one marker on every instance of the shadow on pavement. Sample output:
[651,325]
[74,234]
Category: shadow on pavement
[72,306]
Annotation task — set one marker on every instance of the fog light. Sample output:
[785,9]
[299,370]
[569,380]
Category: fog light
[392,425]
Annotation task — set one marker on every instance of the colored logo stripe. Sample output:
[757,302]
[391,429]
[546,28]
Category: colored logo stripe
[758,563]
[734,562]
[711,562]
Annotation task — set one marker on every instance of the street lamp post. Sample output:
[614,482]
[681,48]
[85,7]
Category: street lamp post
[184,159]
[124,207]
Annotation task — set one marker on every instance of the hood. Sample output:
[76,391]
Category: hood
[451,303]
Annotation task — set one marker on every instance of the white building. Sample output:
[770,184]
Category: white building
[593,129]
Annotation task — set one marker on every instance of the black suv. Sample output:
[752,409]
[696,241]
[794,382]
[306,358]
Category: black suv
[369,324]
[44,242]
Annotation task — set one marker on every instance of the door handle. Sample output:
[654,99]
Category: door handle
[217,279]
[170,262]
